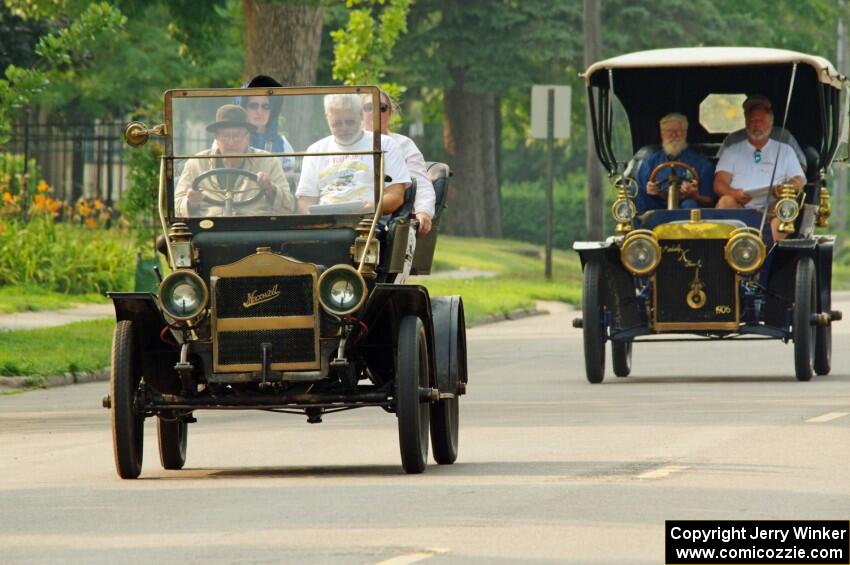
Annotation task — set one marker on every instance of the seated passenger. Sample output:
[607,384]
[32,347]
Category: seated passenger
[426,198]
[232,135]
[264,113]
[778,133]
[674,147]
[746,169]
[337,179]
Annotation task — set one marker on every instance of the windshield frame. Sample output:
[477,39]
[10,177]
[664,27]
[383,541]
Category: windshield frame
[167,208]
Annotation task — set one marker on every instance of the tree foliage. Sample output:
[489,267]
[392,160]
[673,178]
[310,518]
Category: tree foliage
[363,48]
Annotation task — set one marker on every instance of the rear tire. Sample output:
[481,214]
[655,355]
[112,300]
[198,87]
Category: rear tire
[445,413]
[127,424]
[173,436]
[802,331]
[593,329]
[411,373]
[823,343]
[621,357]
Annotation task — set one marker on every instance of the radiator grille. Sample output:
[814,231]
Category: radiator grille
[676,274]
[288,346]
[257,297]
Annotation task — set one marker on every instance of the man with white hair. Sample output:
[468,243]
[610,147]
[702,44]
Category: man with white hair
[343,179]
[674,147]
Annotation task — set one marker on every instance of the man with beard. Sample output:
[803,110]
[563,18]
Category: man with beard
[349,179]
[674,147]
[745,169]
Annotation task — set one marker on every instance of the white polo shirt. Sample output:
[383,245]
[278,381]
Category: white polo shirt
[739,160]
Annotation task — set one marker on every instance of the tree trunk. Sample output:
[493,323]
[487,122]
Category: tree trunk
[594,218]
[282,41]
[471,147]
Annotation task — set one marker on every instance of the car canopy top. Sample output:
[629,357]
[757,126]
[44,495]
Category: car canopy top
[650,84]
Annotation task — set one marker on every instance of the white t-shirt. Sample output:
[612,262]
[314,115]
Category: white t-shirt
[426,198]
[739,160]
[335,179]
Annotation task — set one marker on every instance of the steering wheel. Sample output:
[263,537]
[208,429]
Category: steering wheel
[673,179]
[209,182]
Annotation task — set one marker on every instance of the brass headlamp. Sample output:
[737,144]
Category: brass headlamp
[745,252]
[640,252]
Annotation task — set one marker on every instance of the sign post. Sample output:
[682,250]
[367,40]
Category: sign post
[550,118]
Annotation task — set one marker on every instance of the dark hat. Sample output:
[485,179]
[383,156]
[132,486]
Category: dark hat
[261,80]
[231,116]
[755,101]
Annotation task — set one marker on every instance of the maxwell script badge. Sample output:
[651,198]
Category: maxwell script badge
[255,297]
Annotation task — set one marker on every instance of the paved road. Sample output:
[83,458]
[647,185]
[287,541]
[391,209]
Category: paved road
[551,470]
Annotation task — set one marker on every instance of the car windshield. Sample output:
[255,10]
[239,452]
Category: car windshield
[257,153]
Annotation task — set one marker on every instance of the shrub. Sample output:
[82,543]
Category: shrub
[524,206]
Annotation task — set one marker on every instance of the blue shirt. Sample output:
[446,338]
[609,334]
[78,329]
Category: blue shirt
[692,157]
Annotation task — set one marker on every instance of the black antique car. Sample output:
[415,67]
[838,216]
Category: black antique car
[712,273]
[278,303]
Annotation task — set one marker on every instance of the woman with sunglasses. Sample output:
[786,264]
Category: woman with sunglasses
[423,204]
[264,113]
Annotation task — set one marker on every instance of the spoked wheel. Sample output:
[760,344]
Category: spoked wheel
[802,330]
[127,423]
[172,432]
[594,331]
[621,357]
[411,373]
[445,413]
[823,343]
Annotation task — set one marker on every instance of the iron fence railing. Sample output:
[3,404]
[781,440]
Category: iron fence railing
[75,159]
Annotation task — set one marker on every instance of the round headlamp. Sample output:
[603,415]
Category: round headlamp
[623,210]
[744,252]
[640,252]
[787,210]
[342,290]
[183,295]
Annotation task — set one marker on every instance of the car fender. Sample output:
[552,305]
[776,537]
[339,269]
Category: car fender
[140,307]
[449,342]
[389,303]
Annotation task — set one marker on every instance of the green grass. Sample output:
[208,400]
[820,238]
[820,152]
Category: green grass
[34,299]
[82,346]
[519,283]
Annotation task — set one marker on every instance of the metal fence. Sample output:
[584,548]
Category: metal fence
[75,159]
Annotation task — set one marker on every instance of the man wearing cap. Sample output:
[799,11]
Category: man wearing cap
[232,136]
[746,168]
[674,147]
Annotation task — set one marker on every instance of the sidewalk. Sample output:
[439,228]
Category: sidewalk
[51,318]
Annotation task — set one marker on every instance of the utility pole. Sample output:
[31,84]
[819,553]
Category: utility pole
[843,63]
[594,219]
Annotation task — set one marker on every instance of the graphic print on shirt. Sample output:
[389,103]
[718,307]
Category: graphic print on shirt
[347,180]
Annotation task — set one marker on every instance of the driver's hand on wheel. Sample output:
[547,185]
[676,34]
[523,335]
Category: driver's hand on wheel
[688,189]
[265,184]
[652,188]
[194,199]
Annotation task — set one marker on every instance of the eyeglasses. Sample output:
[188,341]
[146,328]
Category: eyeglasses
[257,106]
[340,123]
[239,136]
[757,156]
[367,107]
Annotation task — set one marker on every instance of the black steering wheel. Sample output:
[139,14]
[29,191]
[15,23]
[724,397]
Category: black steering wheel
[218,186]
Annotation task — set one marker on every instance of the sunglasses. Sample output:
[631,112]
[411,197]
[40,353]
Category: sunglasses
[340,123]
[367,107]
[757,156]
[257,106]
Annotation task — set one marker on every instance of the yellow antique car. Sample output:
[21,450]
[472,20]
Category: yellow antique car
[287,289]
[713,273]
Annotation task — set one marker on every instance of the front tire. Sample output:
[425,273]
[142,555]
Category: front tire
[802,331]
[172,434]
[621,357]
[411,373]
[593,329]
[127,423]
